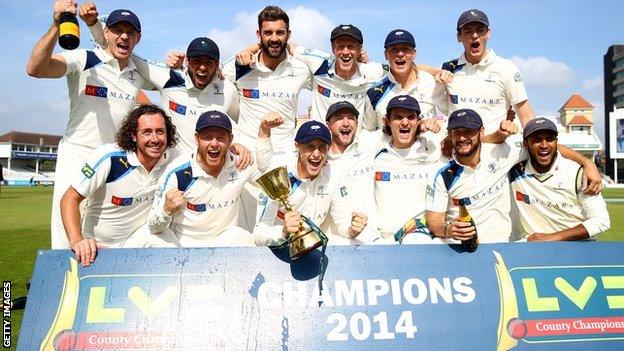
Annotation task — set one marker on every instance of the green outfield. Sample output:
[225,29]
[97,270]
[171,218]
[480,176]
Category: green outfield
[25,221]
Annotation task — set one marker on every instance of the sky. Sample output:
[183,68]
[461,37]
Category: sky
[558,45]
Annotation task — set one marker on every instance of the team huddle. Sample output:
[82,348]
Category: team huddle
[390,154]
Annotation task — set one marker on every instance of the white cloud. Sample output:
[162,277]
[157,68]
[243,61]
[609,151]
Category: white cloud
[309,27]
[540,71]
[593,84]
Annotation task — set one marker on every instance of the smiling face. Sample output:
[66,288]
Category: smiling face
[121,37]
[273,36]
[347,50]
[466,142]
[400,58]
[342,126]
[150,138]
[201,69]
[542,147]
[312,158]
[403,125]
[212,148]
[474,37]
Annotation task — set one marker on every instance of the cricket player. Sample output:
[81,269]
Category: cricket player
[119,182]
[198,196]
[270,83]
[405,78]
[402,167]
[316,188]
[102,85]
[185,96]
[547,191]
[476,177]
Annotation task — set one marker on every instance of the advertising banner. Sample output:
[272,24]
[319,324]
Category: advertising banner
[521,296]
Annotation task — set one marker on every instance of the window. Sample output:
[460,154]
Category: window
[580,129]
[619,75]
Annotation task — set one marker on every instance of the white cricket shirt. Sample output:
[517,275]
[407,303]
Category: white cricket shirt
[485,190]
[552,201]
[119,192]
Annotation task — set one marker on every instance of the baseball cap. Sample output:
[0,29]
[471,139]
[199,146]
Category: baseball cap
[311,130]
[399,36]
[123,15]
[346,29]
[203,47]
[213,119]
[538,124]
[473,15]
[403,101]
[341,105]
[464,118]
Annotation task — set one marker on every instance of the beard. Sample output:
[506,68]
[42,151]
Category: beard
[473,148]
[267,50]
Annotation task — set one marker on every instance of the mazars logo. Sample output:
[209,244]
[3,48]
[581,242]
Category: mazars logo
[559,303]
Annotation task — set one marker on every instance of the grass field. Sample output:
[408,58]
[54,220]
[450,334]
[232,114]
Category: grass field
[25,222]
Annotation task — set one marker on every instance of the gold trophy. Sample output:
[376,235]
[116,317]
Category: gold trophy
[276,185]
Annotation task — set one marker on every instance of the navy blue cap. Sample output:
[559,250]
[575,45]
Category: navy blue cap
[346,29]
[464,118]
[341,105]
[123,15]
[403,101]
[213,119]
[399,36]
[311,130]
[203,47]
[473,15]
[538,124]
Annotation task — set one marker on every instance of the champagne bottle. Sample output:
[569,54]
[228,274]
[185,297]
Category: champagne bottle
[471,244]
[69,31]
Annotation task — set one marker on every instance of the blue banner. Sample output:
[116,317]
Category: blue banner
[549,296]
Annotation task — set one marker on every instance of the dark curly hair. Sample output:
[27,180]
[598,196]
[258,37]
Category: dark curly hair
[271,14]
[129,127]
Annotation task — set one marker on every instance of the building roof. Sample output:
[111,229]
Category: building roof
[580,119]
[31,138]
[142,99]
[576,102]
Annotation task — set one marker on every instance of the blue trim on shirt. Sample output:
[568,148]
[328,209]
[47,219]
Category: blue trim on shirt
[173,171]
[241,71]
[119,168]
[175,80]
[92,60]
[379,91]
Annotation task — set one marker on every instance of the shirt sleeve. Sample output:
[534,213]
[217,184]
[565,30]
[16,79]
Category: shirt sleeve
[594,210]
[75,59]
[440,98]
[157,219]
[369,118]
[264,153]
[268,230]
[229,70]
[97,33]
[157,74]
[232,95]
[314,59]
[373,71]
[514,85]
[437,197]
[93,174]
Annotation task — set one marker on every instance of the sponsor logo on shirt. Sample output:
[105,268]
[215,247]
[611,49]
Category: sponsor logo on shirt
[251,93]
[321,190]
[323,91]
[492,193]
[343,191]
[257,94]
[465,201]
[523,198]
[518,77]
[121,201]
[382,176]
[196,207]
[97,91]
[177,108]
[217,89]
[87,171]
[456,99]
[232,176]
